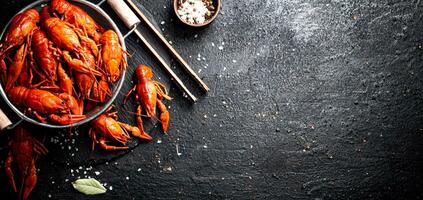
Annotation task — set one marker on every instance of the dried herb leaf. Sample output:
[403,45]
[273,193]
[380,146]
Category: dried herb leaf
[89,186]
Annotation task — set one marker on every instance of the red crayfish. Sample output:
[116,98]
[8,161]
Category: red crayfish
[149,95]
[109,129]
[24,149]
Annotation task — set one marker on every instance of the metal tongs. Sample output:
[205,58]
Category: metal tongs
[131,21]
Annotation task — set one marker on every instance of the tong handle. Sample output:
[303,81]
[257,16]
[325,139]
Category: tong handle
[124,12]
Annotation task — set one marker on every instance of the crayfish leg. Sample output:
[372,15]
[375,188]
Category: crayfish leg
[79,65]
[66,118]
[38,116]
[105,146]
[162,91]
[164,116]
[39,147]
[93,137]
[3,71]
[128,94]
[9,172]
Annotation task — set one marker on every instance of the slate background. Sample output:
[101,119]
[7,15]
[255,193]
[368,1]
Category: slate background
[310,100]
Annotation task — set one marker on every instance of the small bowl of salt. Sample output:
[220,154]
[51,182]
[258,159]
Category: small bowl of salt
[196,13]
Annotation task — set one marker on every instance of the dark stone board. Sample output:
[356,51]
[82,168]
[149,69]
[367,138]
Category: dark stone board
[309,100]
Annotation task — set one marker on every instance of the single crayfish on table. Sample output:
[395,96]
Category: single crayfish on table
[23,152]
[57,64]
[106,128]
[149,94]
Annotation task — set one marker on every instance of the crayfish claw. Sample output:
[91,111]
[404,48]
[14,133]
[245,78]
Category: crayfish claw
[9,172]
[136,132]
[164,116]
[105,146]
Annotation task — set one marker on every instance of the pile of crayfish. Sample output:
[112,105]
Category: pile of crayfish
[105,131]
[58,63]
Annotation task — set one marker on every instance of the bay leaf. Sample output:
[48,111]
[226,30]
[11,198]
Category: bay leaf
[89,186]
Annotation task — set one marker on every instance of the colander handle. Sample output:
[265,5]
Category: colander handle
[4,121]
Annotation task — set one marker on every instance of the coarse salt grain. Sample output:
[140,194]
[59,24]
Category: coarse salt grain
[193,11]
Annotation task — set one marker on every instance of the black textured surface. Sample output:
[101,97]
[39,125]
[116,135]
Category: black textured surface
[310,99]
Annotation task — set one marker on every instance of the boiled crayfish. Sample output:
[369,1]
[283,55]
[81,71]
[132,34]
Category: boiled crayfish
[111,55]
[40,103]
[149,94]
[77,17]
[19,29]
[24,149]
[109,129]
[44,55]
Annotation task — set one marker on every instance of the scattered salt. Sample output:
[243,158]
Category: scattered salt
[220,48]
[162,22]
[177,150]
[97,173]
